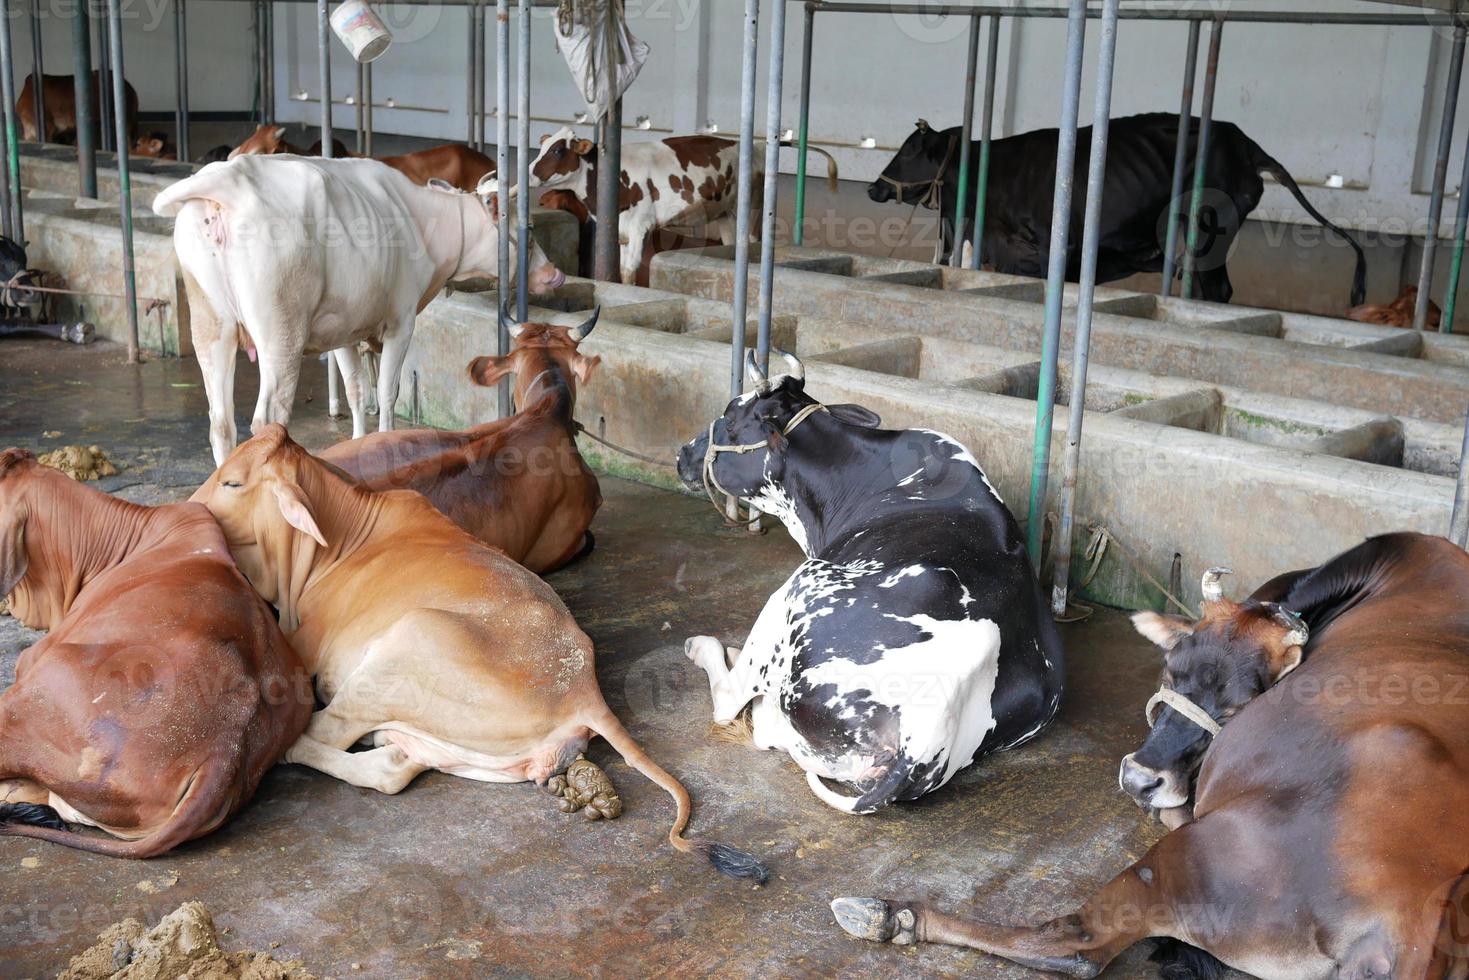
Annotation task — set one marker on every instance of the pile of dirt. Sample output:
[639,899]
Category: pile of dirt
[79,462]
[182,945]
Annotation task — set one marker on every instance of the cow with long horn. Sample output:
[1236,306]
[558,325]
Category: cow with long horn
[913,639]
[519,483]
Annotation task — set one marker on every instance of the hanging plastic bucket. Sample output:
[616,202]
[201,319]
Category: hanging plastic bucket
[361,30]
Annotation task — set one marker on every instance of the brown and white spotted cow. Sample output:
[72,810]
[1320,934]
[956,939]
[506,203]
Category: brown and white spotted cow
[679,180]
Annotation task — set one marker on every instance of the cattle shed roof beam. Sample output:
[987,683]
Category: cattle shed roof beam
[1384,19]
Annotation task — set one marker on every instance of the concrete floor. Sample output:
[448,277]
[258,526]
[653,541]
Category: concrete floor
[457,878]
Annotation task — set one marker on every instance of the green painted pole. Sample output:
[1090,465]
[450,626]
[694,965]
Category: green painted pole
[16,229]
[798,233]
[986,128]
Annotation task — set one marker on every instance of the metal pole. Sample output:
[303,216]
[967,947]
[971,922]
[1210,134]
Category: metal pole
[986,128]
[359,134]
[84,94]
[1201,161]
[1459,520]
[124,180]
[966,136]
[522,168]
[16,226]
[367,111]
[38,72]
[1091,236]
[479,86]
[471,75]
[324,82]
[803,133]
[1206,11]
[1040,457]
[269,7]
[258,27]
[502,171]
[1461,223]
[745,198]
[181,85]
[1440,174]
[1180,157]
[772,178]
[608,261]
[104,85]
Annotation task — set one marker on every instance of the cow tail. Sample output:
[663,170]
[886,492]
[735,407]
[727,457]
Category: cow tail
[727,860]
[1267,163]
[198,810]
[831,162]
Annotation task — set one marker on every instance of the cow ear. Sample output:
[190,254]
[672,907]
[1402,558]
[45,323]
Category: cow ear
[1166,631]
[297,511]
[278,133]
[582,147]
[487,371]
[544,137]
[583,366]
[855,415]
[13,560]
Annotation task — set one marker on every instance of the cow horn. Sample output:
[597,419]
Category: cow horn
[923,125]
[798,370]
[1210,586]
[756,376]
[507,322]
[581,333]
[1298,633]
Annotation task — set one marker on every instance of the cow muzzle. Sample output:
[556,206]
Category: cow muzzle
[1152,788]
[691,463]
[879,192]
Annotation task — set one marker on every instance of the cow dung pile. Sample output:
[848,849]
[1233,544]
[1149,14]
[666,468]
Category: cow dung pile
[79,462]
[184,944]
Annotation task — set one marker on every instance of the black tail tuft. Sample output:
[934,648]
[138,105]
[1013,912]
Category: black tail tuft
[34,814]
[736,863]
[1180,961]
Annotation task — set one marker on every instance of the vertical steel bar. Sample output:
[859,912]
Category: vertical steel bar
[1440,174]
[607,255]
[324,82]
[124,179]
[181,81]
[522,169]
[1456,266]
[104,83]
[367,111]
[1180,156]
[1091,236]
[16,227]
[1201,161]
[986,130]
[772,181]
[1459,520]
[471,76]
[257,33]
[502,171]
[745,197]
[84,93]
[803,130]
[482,77]
[966,137]
[1045,407]
[38,72]
[359,136]
[268,6]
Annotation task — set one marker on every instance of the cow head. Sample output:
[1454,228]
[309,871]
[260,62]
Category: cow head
[261,495]
[908,177]
[563,161]
[265,141]
[543,356]
[481,256]
[753,446]
[1219,664]
[154,146]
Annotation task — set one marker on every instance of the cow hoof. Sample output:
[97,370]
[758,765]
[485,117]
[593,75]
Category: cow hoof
[875,920]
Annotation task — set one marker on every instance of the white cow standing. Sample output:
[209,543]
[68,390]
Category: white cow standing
[298,255]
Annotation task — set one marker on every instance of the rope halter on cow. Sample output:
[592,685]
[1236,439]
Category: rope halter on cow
[1185,707]
[932,200]
[762,388]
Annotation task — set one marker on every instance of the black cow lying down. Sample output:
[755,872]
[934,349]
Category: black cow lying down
[1135,204]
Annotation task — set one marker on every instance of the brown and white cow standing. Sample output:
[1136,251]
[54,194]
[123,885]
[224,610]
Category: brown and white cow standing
[678,180]
[442,650]
[517,484]
[1329,832]
[164,690]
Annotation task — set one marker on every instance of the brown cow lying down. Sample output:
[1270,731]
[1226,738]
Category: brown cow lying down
[1398,313]
[164,690]
[1329,835]
[517,484]
[443,650]
[455,164]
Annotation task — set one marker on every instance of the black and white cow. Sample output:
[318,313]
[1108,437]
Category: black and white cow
[913,638]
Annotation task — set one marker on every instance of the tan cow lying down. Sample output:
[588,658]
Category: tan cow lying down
[164,690]
[454,163]
[443,650]
[518,484]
